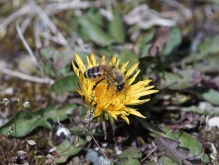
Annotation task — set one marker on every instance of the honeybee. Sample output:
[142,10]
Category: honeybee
[109,72]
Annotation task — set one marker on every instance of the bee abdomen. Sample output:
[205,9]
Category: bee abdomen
[93,72]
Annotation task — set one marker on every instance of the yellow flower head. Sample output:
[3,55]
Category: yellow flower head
[103,95]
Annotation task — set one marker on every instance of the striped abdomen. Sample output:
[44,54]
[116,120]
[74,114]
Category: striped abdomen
[97,71]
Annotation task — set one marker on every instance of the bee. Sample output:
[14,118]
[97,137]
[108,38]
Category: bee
[109,72]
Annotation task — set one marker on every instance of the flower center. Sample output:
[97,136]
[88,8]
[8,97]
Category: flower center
[105,95]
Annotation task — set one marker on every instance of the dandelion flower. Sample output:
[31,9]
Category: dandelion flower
[107,102]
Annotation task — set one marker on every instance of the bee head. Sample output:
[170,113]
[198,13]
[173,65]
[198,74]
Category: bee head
[120,87]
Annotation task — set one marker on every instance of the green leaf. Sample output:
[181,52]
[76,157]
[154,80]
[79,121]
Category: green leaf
[28,121]
[77,130]
[192,57]
[149,126]
[46,51]
[165,160]
[126,55]
[54,64]
[46,54]
[116,28]
[109,51]
[186,141]
[179,99]
[142,42]
[169,47]
[131,152]
[129,156]
[61,23]
[128,162]
[173,42]
[91,31]
[65,84]
[210,46]
[66,149]
[206,108]
[212,96]
[205,48]
[208,64]
[181,80]
[94,15]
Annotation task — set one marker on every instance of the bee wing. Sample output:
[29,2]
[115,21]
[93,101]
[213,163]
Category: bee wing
[114,65]
[99,61]
[114,62]
[111,63]
[107,61]
[94,60]
[111,73]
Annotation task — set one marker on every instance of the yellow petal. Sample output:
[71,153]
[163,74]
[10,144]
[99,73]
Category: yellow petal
[125,118]
[137,102]
[144,93]
[89,63]
[77,72]
[103,60]
[145,82]
[112,114]
[97,112]
[123,68]
[136,113]
[117,63]
[131,80]
[131,70]
[149,87]
[80,63]
[113,61]
[139,85]
[93,60]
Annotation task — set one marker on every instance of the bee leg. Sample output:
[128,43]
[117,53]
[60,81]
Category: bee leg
[95,85]
[108,85]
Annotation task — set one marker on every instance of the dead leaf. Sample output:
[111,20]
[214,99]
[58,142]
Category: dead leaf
[161,36]
[170,146]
